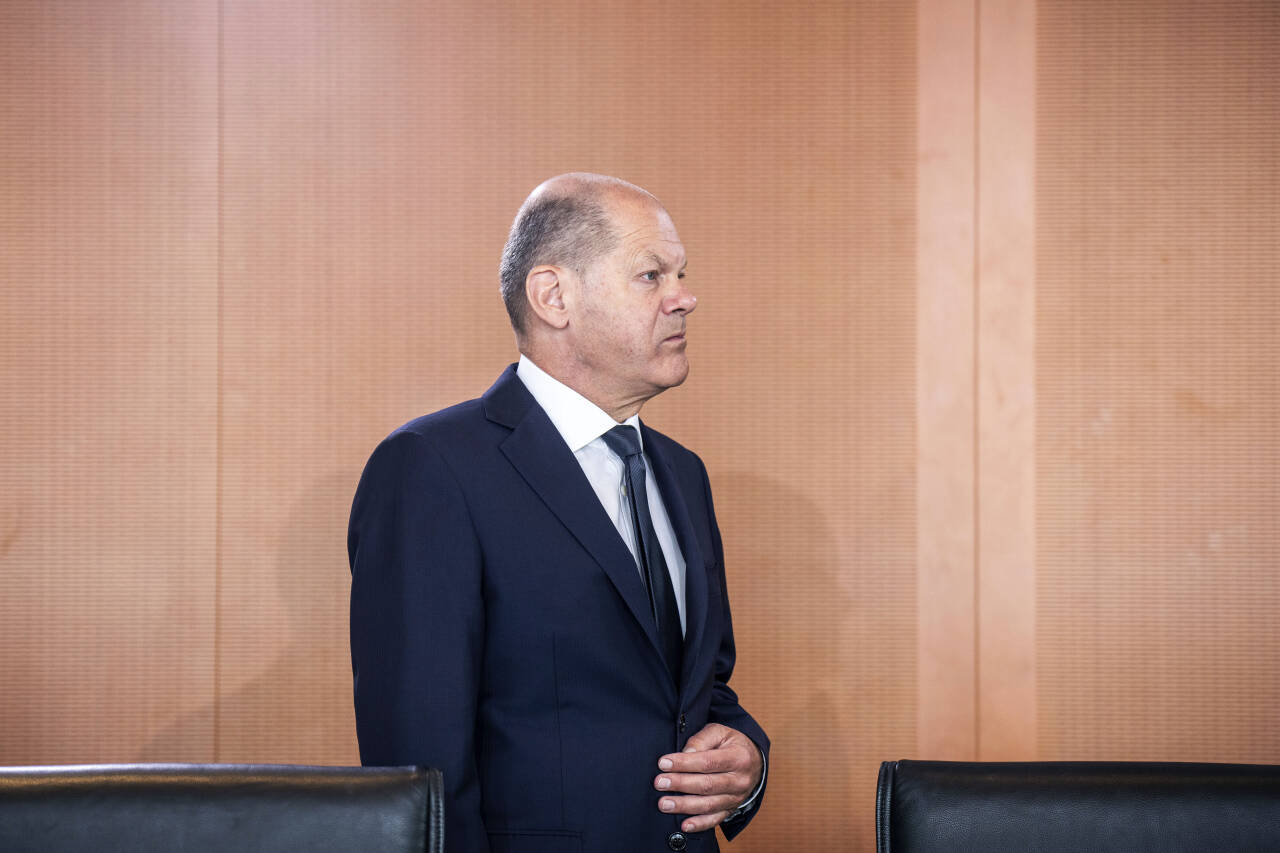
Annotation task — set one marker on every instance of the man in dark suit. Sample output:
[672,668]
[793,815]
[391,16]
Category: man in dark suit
[538,602]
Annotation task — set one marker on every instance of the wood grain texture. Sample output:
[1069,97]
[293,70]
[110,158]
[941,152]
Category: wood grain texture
[361,167]
[946,407]
[1006,380]
[108,355]
[984,364]
[1158,374]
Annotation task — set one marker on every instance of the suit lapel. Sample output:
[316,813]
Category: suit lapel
[538,452]
[695,572]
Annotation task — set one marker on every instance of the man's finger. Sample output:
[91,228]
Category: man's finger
[696,805]
[705,784]
[712,761]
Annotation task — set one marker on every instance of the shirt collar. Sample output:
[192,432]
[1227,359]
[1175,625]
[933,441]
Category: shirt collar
[578,420]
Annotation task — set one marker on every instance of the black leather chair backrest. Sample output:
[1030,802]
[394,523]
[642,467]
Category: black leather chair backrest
[220,807]
[936,806]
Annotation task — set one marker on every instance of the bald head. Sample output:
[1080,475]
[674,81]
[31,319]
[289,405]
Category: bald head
[566,221]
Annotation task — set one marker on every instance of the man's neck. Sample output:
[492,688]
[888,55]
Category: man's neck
[616,407]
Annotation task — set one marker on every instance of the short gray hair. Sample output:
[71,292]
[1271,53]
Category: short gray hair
[568,231]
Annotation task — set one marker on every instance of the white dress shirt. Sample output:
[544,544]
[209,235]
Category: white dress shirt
[581,423]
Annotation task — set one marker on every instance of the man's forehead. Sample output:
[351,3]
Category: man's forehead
[646,231]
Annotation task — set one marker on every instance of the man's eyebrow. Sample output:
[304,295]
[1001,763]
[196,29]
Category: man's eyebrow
[651,258]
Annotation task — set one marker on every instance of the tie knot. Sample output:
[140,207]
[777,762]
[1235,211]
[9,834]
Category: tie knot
[623,440]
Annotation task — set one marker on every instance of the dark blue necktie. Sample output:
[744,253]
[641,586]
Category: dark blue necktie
[625,441]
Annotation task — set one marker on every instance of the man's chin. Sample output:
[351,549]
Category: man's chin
[676,375]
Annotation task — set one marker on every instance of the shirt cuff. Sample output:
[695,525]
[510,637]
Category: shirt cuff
[753,800]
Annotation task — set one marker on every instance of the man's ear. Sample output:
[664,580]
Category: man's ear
[544,288]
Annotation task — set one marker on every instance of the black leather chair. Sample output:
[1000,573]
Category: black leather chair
[220,807]
[935,806]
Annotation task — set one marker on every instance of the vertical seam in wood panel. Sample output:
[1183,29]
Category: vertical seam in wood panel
[217,512]
[977,379]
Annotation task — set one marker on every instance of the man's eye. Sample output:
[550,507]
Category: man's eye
[651,275]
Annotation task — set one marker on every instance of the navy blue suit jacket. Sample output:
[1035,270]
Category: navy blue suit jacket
[500,631]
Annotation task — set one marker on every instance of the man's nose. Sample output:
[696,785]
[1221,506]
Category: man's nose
[680,299]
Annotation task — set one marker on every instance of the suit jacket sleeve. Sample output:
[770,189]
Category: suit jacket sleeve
[417,624]
[725,708]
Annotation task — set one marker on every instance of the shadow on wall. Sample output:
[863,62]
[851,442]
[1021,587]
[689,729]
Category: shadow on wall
[299,709]
[789,610]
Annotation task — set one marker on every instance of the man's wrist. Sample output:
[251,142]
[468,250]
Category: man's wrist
[753,800]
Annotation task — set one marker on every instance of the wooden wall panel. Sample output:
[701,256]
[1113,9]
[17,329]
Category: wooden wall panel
[323,236]
[946,381]
[1159,381]
[1005,370]
[108,324]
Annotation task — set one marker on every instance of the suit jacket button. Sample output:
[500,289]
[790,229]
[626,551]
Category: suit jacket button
[677,841]
[684,724]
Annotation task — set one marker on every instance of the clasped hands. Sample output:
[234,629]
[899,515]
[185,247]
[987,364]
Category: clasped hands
[715,774]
